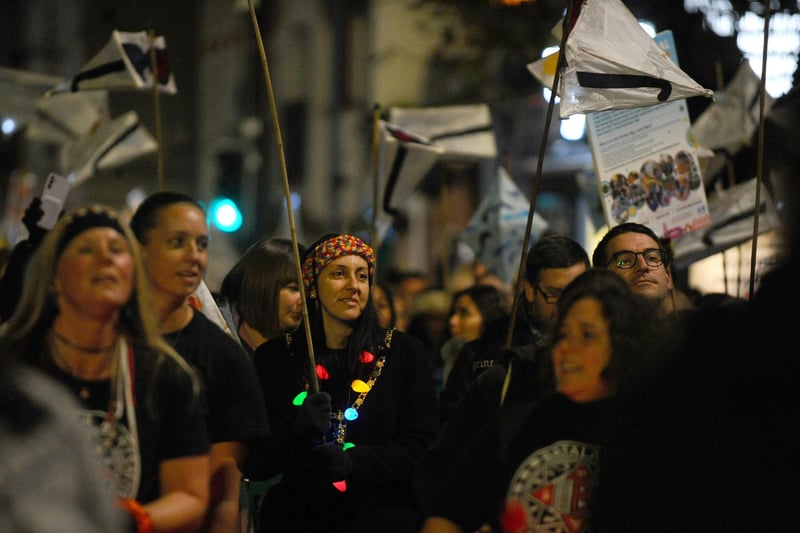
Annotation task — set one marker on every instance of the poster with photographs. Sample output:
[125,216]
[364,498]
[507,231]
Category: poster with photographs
[647,166]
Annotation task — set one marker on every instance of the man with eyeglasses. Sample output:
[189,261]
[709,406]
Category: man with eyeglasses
[551,264]
[634,252]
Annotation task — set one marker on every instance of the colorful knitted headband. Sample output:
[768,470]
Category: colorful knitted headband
[94,216]
[320,255]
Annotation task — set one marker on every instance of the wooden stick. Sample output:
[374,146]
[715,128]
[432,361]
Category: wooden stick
[760,168]
[312,377]
[538,176]
[376,149]
[157,108]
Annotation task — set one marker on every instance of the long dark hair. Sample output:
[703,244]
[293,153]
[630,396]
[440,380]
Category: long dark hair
[490,301]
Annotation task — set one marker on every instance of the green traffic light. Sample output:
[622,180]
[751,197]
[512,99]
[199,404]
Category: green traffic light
[225,214]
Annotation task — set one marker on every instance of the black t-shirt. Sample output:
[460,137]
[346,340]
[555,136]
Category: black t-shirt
[233,396]
[169,421]
[548,467]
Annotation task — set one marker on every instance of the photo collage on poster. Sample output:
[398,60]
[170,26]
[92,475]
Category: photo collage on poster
[655,185]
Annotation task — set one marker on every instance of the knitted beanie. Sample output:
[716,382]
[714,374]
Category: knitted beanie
[330,247]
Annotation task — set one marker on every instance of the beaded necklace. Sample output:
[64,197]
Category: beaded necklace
[340,417]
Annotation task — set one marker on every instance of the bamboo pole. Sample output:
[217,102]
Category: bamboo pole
[760,167]
[157,109]
[376,149]
[538,176]
[312,377]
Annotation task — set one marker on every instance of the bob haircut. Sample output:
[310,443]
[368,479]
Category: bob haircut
[253,285]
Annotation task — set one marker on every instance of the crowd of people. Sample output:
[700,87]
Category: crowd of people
[327,403]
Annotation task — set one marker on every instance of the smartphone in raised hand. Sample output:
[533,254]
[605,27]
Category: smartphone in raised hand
[54,194]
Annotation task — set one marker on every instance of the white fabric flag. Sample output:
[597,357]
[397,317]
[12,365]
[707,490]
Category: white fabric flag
[405,158]
[496,231]
[464,131]
[111,144]
[611,63]
[124,63]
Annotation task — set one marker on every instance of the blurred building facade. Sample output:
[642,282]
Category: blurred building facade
[330,63]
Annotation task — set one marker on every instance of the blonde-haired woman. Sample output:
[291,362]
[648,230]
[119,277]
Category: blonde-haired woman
[86,319]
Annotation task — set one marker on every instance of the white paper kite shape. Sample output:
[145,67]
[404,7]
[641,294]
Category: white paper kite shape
[405,159]
[64,117]
[464,131]
[124,63]
[611,63]
[112,144]
[20,90]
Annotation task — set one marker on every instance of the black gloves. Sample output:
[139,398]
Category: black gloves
[33,213]
[331,461]
[315,413]
[13,280]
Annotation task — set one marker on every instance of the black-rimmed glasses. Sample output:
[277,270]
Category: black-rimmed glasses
[626,259]
[548,297]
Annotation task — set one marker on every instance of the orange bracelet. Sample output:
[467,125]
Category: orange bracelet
[144,524]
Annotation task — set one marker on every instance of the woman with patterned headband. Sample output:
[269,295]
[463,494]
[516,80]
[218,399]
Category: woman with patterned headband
[347,452]
[86,319]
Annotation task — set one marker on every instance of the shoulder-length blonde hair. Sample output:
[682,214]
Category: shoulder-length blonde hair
[24,334]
